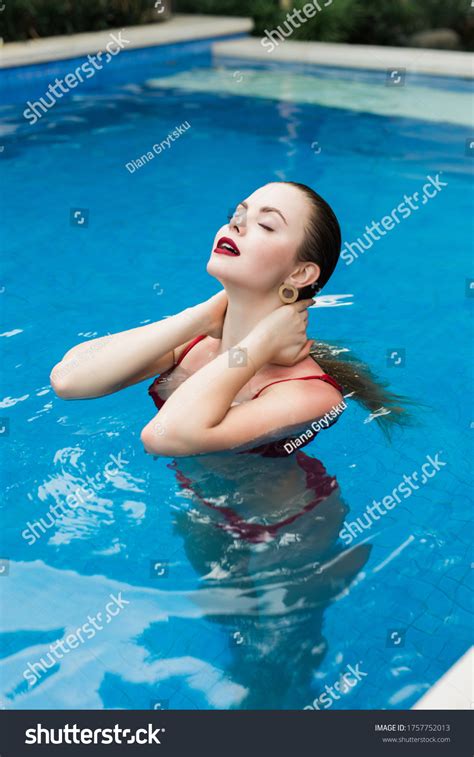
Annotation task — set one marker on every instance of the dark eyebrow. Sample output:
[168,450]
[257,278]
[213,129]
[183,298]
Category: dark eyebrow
[267,210]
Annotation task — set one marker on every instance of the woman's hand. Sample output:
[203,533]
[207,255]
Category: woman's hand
[282,333]
[211,314]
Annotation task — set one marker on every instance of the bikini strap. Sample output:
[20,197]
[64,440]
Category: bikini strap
[322,377]
[189,347]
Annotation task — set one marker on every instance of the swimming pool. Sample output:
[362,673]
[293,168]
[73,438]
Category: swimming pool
[194,615]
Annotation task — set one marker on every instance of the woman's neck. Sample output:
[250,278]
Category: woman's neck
[243,314]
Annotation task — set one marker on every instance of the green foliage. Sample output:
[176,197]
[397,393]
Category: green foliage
[379,22]
[218,7]
[370,22]
[331,24]
[386,23]
[447,14]
[29,19]
[443,13]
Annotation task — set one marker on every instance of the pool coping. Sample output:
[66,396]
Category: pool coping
[180,28]
[454,690]
[187,27]
[372,57]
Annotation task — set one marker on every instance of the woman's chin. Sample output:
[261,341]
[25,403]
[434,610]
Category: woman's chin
[218,267]
[211,268]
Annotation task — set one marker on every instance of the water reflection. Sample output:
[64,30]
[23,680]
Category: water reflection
[267,530]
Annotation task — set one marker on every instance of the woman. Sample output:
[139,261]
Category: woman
[238,375]
[245,377]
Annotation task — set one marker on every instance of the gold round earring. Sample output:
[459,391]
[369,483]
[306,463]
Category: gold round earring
[288,293]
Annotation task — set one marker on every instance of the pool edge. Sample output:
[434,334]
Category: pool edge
[369,57]
[454,690]
[181,28]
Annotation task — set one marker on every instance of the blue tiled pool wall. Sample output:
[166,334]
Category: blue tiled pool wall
[23,82]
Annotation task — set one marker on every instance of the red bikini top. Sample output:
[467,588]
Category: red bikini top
[271,449]
[318,481]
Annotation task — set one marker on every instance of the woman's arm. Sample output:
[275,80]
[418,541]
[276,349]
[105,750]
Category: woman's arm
[198,416]
[105,365]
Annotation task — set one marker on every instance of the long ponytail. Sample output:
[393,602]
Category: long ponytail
[360,384]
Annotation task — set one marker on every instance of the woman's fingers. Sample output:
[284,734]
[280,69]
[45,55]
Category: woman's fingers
[306,350]
[304,304]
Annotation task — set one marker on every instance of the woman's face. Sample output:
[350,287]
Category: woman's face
[265,233]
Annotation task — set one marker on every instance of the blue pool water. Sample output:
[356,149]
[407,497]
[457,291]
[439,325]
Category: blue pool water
[213,619]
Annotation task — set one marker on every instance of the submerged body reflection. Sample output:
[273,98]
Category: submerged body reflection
[268,530]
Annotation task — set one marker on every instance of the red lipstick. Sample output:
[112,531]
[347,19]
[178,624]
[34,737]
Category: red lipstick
[227,246]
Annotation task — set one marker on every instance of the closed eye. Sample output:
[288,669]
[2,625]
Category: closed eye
[267,228]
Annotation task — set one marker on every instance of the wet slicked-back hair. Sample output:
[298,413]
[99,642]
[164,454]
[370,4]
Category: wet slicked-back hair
[322,241]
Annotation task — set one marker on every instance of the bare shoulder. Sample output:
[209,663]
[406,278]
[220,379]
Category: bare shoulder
[303,388]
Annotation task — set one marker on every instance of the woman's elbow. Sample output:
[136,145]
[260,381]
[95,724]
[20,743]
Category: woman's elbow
[67,386]
[157,440]
[61,382]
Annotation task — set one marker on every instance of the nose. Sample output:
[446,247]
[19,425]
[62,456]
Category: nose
[234,226]
[238,222]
